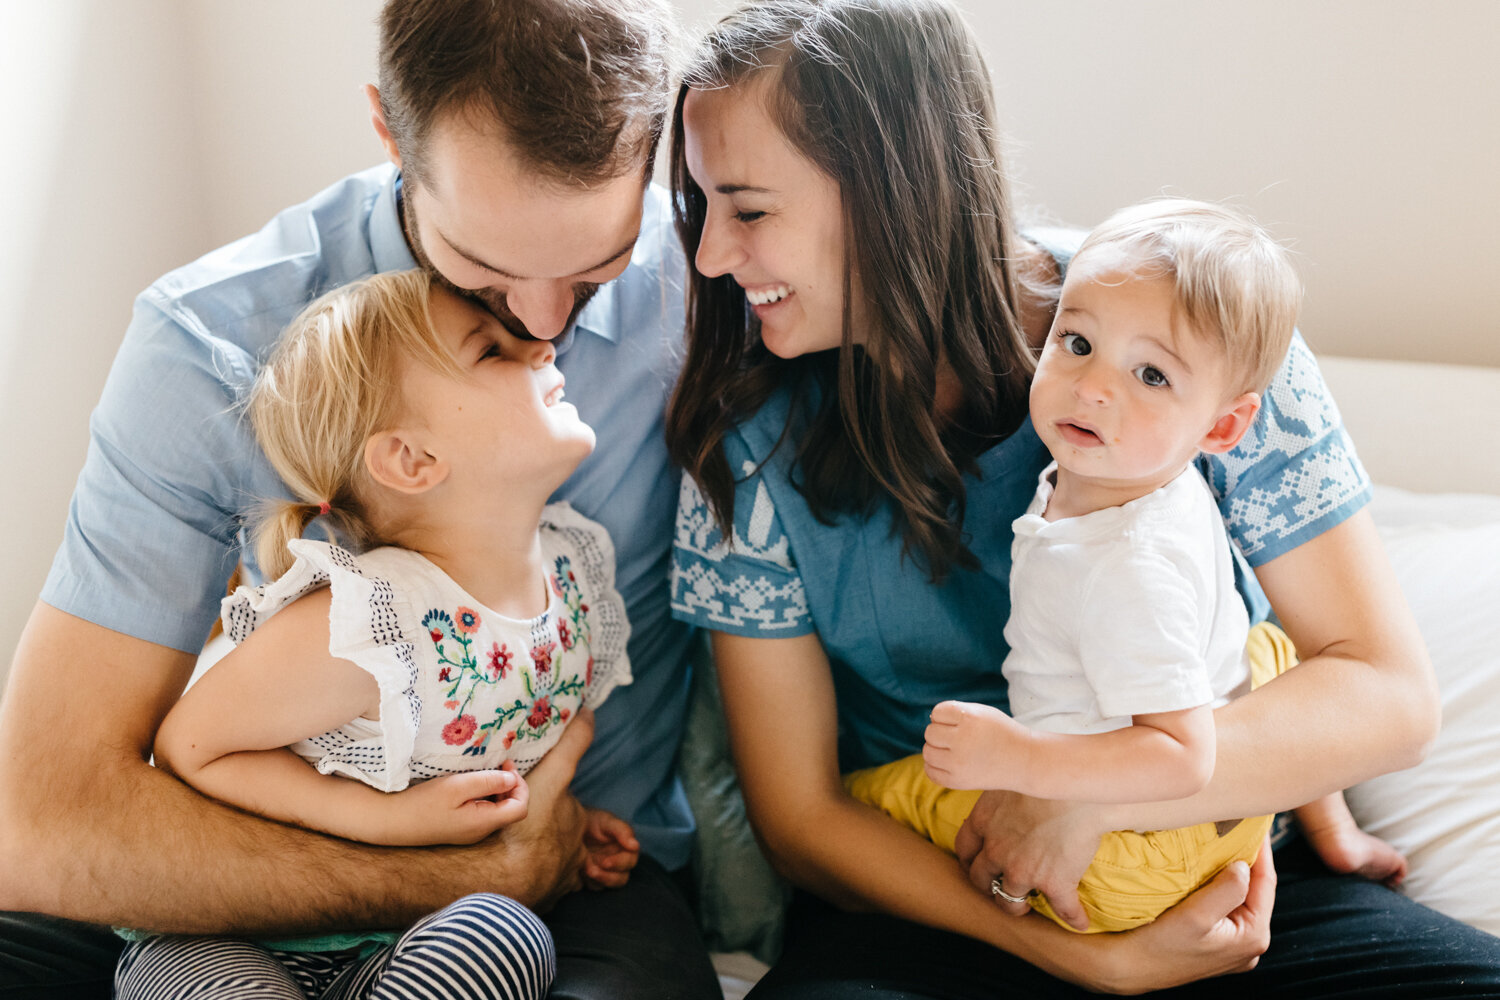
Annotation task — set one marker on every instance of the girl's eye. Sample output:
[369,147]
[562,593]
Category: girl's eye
[1075,344]
[493,351]
[748,216]
[1152,376]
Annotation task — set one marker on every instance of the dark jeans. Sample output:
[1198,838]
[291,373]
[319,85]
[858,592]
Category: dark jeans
[1331,936]
[636,943]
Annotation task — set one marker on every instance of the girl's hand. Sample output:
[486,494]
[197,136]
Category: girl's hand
[612,850]
[456,808]
[1027,843]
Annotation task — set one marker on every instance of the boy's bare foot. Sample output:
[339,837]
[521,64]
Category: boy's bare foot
[1347,849]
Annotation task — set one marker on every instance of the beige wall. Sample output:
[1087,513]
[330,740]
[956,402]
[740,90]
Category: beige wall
[152,130]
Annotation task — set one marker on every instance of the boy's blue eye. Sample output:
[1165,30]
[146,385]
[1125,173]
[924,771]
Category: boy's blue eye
[1152,376]
[1075,344]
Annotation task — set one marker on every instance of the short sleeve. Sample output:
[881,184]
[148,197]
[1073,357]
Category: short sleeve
[747,584]
[1295,475]
[150,542]
[1140,653]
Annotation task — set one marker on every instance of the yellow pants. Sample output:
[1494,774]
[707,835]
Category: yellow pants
[1134,876]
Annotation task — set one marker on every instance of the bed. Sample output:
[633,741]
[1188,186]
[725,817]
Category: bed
[1424,433]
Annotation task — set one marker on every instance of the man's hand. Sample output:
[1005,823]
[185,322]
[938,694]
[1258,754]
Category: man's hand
[551,837]
[612,850]
[1042,844]
[456,808]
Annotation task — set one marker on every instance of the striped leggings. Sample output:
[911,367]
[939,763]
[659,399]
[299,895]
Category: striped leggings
[482,946]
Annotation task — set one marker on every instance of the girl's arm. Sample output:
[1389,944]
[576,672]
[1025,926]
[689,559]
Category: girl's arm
[1362,702]
[779,701]
[227,737]
[1163,755]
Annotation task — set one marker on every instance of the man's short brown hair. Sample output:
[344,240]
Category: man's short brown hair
[577,88]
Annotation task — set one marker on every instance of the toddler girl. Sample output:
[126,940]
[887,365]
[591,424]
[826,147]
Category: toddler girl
[432,654]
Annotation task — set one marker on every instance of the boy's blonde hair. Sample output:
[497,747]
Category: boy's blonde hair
[1233,281]
[332,381]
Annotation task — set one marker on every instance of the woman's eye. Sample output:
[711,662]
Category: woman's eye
[748,216]
[1152,376]
[1075,344]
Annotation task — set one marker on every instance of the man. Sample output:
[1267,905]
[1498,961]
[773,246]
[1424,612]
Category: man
[521,136]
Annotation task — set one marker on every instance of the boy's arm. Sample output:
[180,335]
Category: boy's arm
[1164,755]
[89,830]
[227,737]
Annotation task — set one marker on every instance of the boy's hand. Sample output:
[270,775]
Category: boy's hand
[457,808]
[973,746]
[612,850]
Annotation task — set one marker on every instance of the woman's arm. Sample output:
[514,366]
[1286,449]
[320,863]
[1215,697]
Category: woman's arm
[1362,702]
[227,737]
[779,700]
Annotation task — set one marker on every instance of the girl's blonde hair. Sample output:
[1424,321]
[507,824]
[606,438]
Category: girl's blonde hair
[332,381]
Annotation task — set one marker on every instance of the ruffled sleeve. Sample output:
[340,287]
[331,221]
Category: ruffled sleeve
[370,625]
[592,612]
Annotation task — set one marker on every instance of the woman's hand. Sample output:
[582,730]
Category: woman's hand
[1222,928]
[1028,843]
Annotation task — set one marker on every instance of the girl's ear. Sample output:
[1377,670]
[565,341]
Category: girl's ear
[1234,420]
[397,459]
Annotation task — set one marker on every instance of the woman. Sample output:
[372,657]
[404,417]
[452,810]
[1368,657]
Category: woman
[851,414]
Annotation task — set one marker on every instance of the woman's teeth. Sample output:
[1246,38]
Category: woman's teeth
[767,296]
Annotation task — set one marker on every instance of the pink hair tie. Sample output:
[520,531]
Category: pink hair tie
[324,507]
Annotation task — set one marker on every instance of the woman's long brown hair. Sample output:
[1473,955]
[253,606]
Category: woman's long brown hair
[891,98]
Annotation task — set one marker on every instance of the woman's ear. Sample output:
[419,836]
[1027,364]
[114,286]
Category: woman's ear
[398,460]
[1234,420]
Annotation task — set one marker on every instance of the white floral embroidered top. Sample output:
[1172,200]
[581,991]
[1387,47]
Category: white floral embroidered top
[462,688]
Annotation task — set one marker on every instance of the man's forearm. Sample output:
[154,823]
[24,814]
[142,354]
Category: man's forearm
[145,851]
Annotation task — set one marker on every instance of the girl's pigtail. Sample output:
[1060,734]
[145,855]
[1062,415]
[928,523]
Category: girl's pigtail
[281,522]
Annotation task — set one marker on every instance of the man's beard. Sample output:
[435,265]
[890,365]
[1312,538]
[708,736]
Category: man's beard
[491,299]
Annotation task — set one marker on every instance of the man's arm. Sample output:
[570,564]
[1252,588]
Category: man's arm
[89,830]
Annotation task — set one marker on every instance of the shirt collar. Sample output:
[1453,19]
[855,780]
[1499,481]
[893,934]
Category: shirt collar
[392,253]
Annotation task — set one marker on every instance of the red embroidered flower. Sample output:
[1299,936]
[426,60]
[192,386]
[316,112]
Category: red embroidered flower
[588,674]
[450,705]
[565,714]
[500,658]
[571,577]
[510,737]
[445,674]
[437,636]
[457,732]
[542,657]
[556,585]
[564,635]
[540,713]
[467,620]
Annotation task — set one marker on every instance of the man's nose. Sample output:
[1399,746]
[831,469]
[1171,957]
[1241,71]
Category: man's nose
[542,307]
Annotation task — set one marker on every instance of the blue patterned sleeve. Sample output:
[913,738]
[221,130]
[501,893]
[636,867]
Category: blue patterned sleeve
[1295,474]
[748,584]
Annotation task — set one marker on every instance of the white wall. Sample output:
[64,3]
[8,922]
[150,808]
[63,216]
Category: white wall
[142,133]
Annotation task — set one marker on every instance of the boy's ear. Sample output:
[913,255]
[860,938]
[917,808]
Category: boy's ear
[1234,420]
[397,459]
[377,119]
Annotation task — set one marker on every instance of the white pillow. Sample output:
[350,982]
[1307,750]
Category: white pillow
[1444,814]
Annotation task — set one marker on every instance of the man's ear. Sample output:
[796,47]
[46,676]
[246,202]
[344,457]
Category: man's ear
[377,118]
[1234,420]
[397,459]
